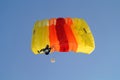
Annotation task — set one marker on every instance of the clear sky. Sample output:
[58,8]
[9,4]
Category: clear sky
[17,62]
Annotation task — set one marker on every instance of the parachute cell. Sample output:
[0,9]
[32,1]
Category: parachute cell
[62,35]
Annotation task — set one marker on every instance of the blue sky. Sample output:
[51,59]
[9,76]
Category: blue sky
[17,62]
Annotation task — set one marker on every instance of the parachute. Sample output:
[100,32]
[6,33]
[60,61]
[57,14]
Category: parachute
[62,35]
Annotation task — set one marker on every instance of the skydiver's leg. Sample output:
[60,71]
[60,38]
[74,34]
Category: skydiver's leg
[41,50]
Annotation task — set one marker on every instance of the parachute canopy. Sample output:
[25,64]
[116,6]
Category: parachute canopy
[62,35]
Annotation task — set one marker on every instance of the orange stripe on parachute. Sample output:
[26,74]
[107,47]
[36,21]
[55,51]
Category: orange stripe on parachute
[54,43]
[71,38]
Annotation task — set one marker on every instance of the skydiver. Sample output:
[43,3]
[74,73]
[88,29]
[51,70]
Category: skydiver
[46,50]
